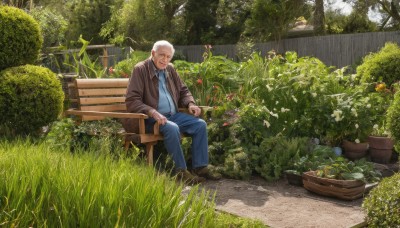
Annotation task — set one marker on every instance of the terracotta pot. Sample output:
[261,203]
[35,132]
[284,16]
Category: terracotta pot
[354,150]
[380,149]
[380,142]
[380,155]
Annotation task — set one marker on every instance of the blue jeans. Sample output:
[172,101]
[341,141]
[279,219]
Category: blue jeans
[189,125]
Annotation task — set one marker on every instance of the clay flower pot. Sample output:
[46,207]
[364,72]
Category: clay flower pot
[354,151]
[380,149]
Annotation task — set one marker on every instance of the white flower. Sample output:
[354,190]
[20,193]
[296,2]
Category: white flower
[285,109]
[294,99]
[276,102]
[274,114]
[356,125]
[368,105]
[375,126]
[314,94]
[304,92]
[269,88]
[296,121]
[267,124]
[354,112]
[338,115]
[357,141]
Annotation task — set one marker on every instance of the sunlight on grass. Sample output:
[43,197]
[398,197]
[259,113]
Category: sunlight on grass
[40,187]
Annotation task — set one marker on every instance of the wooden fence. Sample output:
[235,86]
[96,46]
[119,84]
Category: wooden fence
[333,50]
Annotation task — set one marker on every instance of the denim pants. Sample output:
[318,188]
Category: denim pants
[189,125]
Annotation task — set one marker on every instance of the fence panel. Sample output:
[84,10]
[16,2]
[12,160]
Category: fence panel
[334,50]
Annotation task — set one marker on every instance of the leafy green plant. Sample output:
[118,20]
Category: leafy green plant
[382,204]
[20,39]
[101,136]
[209,80]
[318,156]
[31,97]
[275,154]
[343,169]
[82,63]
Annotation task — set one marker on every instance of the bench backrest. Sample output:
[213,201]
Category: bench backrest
[104,95]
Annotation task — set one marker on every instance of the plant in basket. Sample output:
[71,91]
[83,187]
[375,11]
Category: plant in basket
[341,179]
[319,155]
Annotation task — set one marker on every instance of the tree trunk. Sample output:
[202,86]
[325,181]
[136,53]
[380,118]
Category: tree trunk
[319,18]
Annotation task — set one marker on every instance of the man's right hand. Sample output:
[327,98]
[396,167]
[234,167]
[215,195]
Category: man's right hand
[159,118]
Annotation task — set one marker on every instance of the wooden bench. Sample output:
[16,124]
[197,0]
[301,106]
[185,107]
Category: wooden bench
[97,99]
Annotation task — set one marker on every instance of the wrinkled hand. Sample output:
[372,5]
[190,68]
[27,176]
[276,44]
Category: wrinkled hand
[195,110]
[159,118]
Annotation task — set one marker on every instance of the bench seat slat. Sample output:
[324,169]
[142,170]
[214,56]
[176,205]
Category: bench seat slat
[100,100]
[101,92]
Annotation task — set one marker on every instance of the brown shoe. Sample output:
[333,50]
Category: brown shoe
[207,173]
[185,176]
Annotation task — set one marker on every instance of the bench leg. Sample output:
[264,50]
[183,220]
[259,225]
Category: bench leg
[149,153]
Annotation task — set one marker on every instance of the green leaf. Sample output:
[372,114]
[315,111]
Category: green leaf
[353,176]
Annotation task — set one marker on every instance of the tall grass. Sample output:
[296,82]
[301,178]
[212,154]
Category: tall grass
[42,188]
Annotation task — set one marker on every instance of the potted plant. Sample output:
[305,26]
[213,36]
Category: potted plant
[380,142]
[380,145]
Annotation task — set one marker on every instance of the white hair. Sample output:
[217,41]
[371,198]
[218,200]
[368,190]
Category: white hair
[163,43]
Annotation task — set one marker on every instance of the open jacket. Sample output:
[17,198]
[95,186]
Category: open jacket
[142,92]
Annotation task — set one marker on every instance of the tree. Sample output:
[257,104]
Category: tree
[86,18]
[271,19]
[389,10]
[200,21]
[230,17]
[139,23]
[319,17]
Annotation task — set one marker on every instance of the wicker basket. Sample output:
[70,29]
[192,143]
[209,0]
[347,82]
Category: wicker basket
[342,189]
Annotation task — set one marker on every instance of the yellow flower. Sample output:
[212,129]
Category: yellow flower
[380,87]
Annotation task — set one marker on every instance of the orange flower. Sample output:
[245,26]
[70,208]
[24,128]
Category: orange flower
[199,81]
[225,124]
[110,70]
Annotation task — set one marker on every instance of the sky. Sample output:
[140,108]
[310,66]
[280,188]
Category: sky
[346,9]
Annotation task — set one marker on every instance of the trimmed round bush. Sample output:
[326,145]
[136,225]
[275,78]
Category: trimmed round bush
[30,97]
[20,38]
[382,66]
[382,205]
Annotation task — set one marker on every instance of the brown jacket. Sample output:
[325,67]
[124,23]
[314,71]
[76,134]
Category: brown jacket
[142,92]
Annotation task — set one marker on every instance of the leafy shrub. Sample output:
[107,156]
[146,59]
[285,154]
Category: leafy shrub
[275,155]
[20,39]
[383,66]
[30,97]
[392,120]
[124,67]
[237,164]
[382,205]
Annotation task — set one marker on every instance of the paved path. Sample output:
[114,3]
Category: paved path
[279,204]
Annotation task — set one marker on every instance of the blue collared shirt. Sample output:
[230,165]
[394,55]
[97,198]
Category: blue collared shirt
[165,102]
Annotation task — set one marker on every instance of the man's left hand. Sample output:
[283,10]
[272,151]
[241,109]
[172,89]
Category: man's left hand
[195,110]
